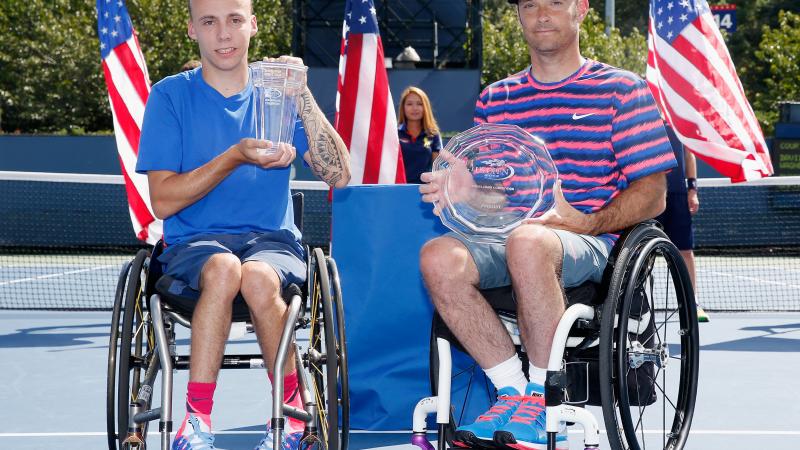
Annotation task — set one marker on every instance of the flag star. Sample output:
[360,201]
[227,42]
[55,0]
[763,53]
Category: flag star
[669,5]
[105,14]
[660,25]
[346,28]
[117,18]
[363,1]
[104,30]
[119,4]
[684,17]
[669,21]
[349,15]
[102,46]
[114,33]
[660,11]
[373,11]
[685,4]
[669,35]
[363,20]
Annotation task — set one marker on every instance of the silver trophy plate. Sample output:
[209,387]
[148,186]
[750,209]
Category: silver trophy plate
[493,177]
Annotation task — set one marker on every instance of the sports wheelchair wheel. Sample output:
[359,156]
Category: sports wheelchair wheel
[326,359]
[132,361]
[649,345]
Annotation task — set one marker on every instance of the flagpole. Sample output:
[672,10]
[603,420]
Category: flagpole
[609,16]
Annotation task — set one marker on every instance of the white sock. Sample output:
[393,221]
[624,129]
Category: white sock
[537,375]
[508,373]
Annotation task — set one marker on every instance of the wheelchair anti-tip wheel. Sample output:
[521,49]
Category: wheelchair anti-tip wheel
[326,357]
[649,346]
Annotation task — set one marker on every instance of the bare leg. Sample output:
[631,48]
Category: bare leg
[688,257]
[261,289]
[452,280]
[534,254]
[211,322]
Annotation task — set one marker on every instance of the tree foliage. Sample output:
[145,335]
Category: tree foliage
[778,65]
[50,74]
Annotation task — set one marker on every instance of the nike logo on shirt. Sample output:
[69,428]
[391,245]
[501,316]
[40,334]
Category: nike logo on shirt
[578,117]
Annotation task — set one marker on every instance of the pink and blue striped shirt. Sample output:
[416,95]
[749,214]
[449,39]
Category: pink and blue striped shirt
[601,126]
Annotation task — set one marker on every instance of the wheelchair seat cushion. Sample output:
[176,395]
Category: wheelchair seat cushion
[181,298]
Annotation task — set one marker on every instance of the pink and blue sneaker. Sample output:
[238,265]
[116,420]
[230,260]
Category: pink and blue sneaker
[525,430]
[194,434]
[480,434]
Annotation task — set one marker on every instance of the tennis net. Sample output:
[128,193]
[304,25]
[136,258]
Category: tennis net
[66,237]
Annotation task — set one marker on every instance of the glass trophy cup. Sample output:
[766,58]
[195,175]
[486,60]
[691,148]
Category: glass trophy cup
[492,177]
[278,87]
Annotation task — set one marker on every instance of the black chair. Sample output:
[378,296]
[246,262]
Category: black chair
[148,306]
[629,344]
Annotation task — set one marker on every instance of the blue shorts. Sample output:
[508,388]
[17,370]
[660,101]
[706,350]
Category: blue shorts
[585,259]
[278,249]
[677,221]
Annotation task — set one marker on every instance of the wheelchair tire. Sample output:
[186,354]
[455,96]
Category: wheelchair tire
[323,341]
[136,346]
[344,381]
[111,375]
[650,290]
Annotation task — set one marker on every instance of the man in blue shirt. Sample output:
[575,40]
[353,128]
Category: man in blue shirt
[228,219]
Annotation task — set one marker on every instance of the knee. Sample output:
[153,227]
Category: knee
[222,272]
[440,258]
[260,286]
[534,247]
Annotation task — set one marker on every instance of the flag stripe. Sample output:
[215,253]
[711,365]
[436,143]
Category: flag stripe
[128,84]
[694,82]
[365,112]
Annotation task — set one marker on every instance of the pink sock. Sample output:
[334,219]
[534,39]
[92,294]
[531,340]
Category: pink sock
[291,396]
[200,397]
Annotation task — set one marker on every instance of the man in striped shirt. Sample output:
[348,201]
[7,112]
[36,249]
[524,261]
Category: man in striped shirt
[604,133]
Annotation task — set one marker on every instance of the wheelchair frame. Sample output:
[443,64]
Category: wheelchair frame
[604,323]
[142,345]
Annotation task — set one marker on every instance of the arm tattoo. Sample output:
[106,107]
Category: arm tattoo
[330,160]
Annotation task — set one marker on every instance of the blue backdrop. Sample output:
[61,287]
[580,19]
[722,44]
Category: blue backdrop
[377,232]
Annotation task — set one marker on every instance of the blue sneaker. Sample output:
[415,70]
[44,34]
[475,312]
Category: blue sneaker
[194,434]
[481,432]
[525,430]
[292,439]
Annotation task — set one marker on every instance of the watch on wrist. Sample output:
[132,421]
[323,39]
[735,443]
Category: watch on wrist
[691,183]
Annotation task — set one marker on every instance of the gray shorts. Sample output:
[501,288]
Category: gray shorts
[585,258]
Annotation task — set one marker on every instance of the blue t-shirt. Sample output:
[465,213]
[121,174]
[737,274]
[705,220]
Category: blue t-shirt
[187,123]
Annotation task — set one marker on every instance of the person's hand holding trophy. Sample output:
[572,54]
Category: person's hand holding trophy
[490,179]
[279,83]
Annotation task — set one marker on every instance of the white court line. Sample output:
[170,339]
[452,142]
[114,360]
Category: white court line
[54,275]
[755,280]
[706,432]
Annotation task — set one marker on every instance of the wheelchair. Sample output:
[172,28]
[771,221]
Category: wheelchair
[612,348]
[142,349]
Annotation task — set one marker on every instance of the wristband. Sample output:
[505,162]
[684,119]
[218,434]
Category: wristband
[691,183]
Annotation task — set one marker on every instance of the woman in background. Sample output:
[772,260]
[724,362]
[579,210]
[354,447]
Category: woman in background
[419,136]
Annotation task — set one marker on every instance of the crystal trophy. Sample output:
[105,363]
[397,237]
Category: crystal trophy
[278,86]
[492,177]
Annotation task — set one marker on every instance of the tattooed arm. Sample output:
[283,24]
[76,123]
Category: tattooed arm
[327,154]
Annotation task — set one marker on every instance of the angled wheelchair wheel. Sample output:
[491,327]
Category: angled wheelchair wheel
[113,341]
[344,381]
[649,346]
[325,356]
[136,361]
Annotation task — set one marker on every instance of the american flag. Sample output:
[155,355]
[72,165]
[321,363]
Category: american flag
[128,87]
[365,116]
[692,77]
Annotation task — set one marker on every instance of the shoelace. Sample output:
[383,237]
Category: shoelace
[503,405]
[207,438]
[528,412]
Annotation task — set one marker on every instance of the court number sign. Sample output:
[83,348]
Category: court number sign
[725,16]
